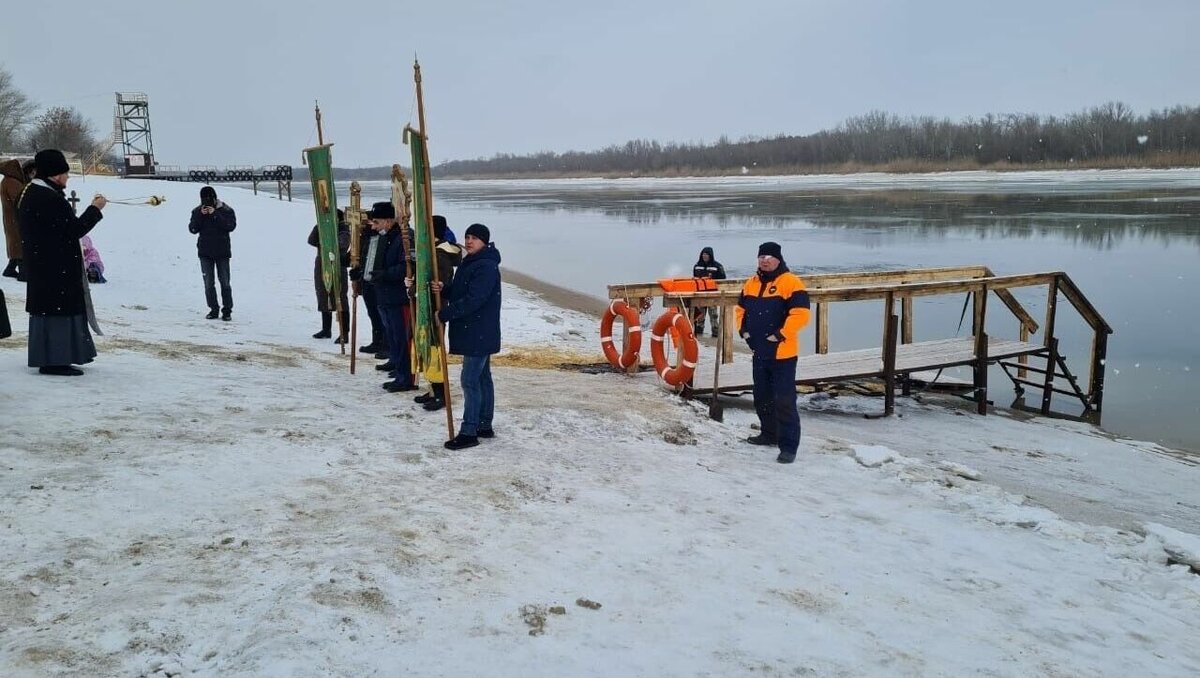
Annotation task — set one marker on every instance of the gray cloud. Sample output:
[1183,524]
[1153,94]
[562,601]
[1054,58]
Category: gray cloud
[234,82]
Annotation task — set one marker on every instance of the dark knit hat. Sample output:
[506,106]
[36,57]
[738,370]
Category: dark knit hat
[439,226]
[382,210]
[208,192]
[772,249]
[480,231]
[51,162]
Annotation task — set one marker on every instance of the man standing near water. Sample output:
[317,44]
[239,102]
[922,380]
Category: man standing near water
[770,313]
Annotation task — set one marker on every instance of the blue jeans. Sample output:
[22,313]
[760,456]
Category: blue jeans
[479,395]
[775,401]
[210,290]
[395,330]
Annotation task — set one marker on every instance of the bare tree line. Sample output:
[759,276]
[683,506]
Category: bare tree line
[24,130]
[1109,134]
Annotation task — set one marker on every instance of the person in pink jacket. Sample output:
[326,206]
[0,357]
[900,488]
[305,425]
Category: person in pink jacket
[91,260]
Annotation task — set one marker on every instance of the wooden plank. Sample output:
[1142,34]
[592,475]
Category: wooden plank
[842,365]
[930,288]
[1027,322]
[819,280]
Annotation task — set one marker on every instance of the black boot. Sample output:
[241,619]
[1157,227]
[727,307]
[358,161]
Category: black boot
[762,439]
[377,343]
[326,321]
[460,441]
[10,271]
[343,329]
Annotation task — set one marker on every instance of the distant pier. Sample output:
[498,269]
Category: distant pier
[281,175]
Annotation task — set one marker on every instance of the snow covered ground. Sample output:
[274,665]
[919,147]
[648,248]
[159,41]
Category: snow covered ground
[223,499]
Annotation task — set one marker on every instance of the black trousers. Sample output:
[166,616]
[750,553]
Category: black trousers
[368,295]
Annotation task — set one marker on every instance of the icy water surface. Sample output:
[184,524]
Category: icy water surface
[1129,239]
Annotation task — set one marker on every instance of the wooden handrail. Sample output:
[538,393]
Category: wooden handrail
[820,280]
[1085,308]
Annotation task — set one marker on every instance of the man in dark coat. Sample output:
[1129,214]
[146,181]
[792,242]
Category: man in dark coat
[386,273]
[326,302]
[707,267]
[13,182]
[471,306]
[213,221]
[378,343]
[53,266]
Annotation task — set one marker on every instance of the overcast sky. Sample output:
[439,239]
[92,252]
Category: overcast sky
[234,82]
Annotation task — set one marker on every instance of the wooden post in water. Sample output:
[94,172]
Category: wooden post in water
[981,352]
[1096,377]
[1051,343]
[1023,359]
[906,320]
[890,330]
[822,332]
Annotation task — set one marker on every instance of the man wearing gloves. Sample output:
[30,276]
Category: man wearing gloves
[770,313]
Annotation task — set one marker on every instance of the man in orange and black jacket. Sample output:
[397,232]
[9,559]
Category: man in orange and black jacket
[771,311]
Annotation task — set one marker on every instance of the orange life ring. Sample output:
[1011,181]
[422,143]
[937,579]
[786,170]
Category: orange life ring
[633,322]
[689,348]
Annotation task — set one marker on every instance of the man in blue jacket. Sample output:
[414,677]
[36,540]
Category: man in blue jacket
[471,307]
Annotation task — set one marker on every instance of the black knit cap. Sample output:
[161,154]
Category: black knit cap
[208,192]
[439,226]
[772,249]
[479,231]
[50,162]
[382,210]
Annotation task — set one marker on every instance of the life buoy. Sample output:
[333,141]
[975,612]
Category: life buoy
[634,324]
[689,349]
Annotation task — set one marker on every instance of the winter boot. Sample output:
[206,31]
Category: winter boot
[761,439]
[212,315]
[10,271]
[343,329]
[460,441]
[326,321]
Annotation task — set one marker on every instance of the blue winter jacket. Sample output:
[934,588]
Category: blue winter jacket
[388,275]
[471,304]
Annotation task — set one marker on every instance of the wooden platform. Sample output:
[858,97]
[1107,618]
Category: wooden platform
[830,367]
[900,357]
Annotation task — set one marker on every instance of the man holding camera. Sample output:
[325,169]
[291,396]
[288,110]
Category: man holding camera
[213,221]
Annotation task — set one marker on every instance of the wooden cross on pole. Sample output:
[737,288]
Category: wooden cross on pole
[74,200]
